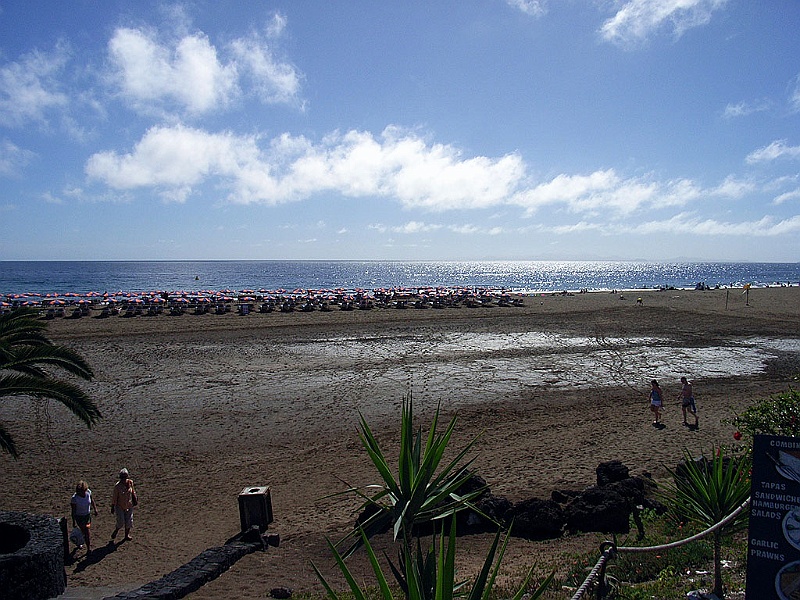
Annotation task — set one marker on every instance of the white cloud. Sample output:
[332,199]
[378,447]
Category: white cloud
[176,159]
[13,159]
[787,196]
[356,164]
[638,19]
[29,87]
[436,177]
[733,188]
[794,97]
[191,74]
[534,8]
[606,193]
[744,109]
[49,198]
[598,191]
[400,165]
[580,227]
[773,151]
[685,224]
[272,80]
[464,229]
[416,227]
[677,193]
[276,26]
[469,229]
[413,227]
[567,188]
[178,162]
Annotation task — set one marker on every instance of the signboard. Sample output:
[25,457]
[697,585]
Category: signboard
[773,553]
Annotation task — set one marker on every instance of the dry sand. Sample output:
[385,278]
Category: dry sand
[200,407]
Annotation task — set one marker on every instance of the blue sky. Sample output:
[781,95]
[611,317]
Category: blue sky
[452,130]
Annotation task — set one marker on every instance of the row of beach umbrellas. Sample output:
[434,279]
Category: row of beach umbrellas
[244,295]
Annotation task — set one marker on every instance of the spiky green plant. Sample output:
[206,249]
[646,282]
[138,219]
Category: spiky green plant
[707,491]
[25,352]
[429,580]
[423,489]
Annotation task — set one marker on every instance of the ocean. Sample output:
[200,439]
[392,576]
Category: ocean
[81,277]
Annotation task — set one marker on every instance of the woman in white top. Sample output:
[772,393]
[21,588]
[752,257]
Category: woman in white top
[82,505]
[656,401]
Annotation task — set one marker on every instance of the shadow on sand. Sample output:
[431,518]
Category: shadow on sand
[96,556]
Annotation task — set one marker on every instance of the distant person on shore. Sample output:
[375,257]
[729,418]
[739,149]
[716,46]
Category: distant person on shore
[687,401]
[122,503]
[82,505]
[656,401]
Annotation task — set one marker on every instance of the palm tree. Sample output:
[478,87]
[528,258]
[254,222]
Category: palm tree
[706,492]
[25,354]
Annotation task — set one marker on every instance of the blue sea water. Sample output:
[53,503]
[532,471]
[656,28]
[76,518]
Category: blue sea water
[60,277]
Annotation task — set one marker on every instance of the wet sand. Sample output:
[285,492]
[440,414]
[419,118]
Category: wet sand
[200,407]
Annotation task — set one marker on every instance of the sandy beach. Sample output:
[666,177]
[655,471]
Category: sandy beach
[198,407]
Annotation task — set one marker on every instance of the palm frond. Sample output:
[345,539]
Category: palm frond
[7,442]
[22,327]
[26,353]
[68,394]
[62,357]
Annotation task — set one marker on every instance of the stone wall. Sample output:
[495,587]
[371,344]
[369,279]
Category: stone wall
[203,568]
[31,556]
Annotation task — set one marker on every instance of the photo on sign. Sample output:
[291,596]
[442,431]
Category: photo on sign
[787,464]
[787,582]
[791,527]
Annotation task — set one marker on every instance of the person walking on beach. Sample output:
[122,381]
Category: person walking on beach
[656,401]
[82,505]
[687,401]
[122,503]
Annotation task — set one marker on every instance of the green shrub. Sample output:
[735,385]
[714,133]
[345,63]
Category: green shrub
[778,415]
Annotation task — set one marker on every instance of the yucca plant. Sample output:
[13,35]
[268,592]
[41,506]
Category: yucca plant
[424,491]
[707,491]
[429,579]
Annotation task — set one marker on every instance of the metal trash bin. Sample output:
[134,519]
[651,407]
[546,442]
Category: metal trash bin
[255,507]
